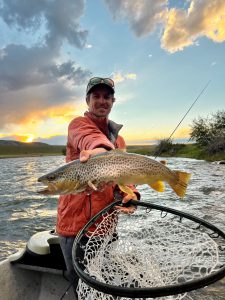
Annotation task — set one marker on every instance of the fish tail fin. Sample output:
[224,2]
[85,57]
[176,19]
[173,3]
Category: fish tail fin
[180,184]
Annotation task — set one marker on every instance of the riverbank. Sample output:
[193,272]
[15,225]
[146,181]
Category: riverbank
[28,150]
[178,150]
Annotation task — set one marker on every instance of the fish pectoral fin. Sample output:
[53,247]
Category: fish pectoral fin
[91,185]
[126,189]
[158,186]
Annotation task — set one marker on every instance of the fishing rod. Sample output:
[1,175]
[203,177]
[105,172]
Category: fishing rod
[199,95]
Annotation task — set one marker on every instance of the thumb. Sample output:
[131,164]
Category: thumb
[127,198]
[84,155]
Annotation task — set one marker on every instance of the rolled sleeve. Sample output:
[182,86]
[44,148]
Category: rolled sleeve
[83,135]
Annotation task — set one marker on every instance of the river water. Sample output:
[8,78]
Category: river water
[24,212]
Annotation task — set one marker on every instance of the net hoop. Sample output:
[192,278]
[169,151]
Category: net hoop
[149,292]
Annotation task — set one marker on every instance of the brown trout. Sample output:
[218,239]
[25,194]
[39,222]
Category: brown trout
[114,166]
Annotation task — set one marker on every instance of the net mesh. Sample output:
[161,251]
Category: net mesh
[146,250]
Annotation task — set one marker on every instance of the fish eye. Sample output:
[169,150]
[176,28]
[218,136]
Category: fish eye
[51,177]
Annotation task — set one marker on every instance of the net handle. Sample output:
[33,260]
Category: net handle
[146,292]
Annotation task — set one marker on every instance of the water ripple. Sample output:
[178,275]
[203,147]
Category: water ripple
[24,212]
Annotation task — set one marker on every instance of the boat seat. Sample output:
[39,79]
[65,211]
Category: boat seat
[42,250]
[40,242]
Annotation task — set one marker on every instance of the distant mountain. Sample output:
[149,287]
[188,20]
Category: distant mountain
[16,143]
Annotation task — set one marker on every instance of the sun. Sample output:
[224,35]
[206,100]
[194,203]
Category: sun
[29,138]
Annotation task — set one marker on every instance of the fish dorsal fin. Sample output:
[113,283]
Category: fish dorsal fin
[158,186]
[111,152]
[118,151]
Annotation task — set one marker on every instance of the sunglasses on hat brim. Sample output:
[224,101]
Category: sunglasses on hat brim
[98,80]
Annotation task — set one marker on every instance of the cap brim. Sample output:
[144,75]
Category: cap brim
[100,84]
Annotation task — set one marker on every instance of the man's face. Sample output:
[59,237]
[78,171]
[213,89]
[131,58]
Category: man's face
[100,101]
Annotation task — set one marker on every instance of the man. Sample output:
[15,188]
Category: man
[89,135]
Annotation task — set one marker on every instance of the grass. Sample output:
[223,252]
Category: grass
[141,149]
[178,150]
[194,151]
[7,151]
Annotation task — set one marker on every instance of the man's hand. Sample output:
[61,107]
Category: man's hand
[86,154]
[130,209]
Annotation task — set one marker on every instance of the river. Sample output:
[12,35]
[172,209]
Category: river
[24,212]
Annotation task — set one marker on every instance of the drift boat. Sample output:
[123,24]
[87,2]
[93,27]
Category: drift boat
[36,272]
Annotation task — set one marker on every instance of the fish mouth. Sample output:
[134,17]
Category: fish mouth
[45,191]
[49,189]
[57,188]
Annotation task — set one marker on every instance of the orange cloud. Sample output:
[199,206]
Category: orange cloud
[45,123]
[184,27]
[180,27]
[65,112]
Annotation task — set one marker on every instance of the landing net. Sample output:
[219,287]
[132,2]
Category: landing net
[151,253]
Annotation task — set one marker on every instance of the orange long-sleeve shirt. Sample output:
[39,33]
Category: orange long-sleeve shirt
[84,133]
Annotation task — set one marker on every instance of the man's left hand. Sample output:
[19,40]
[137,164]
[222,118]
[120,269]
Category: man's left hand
[130,209]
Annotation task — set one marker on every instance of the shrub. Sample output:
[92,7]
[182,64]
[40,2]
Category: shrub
[217,143]
[167,147]
[64,151]
[209,132]
[163,146]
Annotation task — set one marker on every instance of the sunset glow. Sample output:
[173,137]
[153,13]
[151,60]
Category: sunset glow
[167,51]
[29,138]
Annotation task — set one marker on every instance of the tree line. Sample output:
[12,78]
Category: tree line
[209,132]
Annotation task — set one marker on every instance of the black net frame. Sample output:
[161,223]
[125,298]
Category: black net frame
[151,292]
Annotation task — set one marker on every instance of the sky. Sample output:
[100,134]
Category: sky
[161,54]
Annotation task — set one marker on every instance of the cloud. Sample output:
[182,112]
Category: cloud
[27,87]
[179,27]
[23,67]
[37,78]
[88,46]
[184,27]
[119,77]
[131,76]
[37,104]
[143,15]
[2,54]
[42,123]
[61,19]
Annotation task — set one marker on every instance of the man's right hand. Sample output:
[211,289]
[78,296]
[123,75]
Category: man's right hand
[86,154]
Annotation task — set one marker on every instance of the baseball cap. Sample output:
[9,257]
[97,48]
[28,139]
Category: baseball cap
[98,80]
